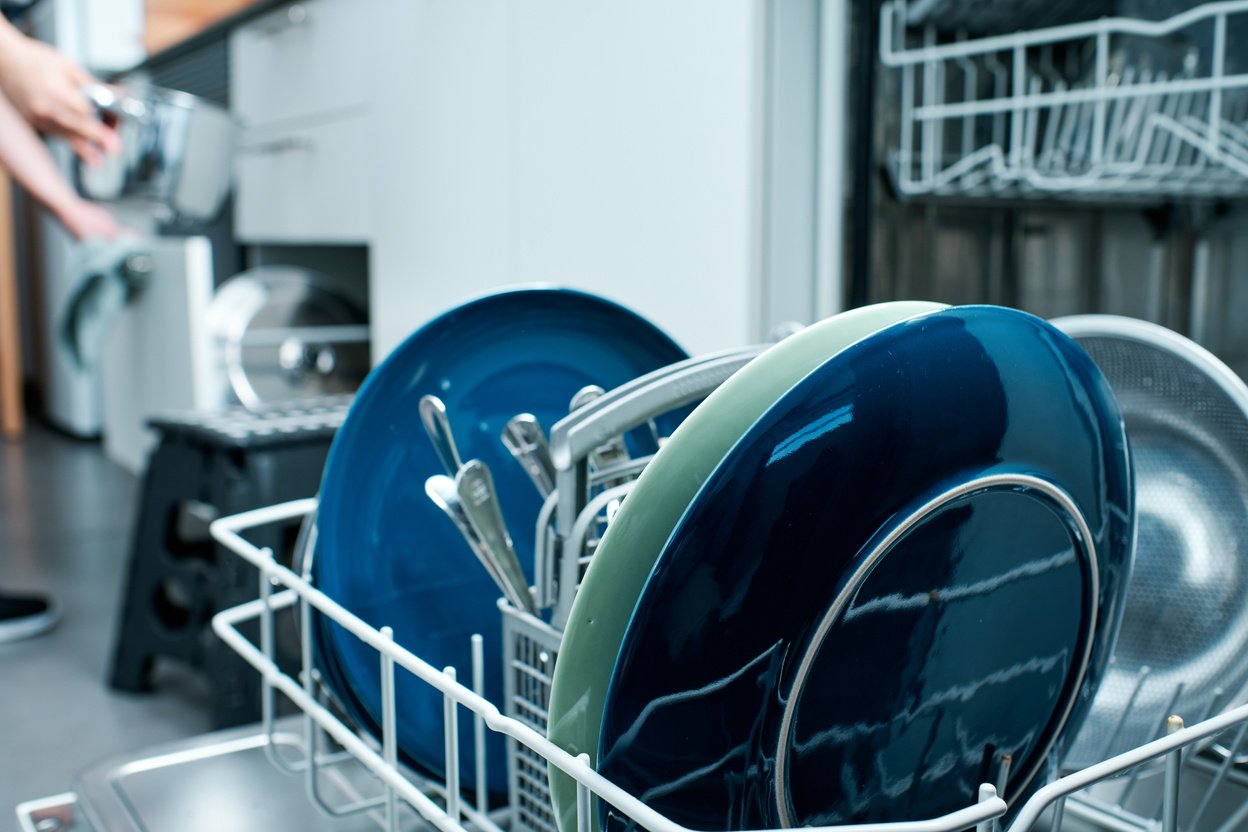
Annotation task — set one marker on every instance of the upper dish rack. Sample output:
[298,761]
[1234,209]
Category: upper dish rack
[1107,109]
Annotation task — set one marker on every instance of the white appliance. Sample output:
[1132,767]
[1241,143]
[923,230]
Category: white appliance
[103,36]
[158,357]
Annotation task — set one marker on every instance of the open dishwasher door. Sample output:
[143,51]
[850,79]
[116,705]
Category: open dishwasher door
[222,780]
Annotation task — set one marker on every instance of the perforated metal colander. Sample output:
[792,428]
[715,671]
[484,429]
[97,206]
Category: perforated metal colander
[1183,646]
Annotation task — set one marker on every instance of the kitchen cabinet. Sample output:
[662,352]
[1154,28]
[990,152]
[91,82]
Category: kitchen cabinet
[305,59]
[637,150]
[300,86]
[306,182]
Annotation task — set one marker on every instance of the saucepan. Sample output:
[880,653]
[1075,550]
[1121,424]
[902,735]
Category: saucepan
[177,151]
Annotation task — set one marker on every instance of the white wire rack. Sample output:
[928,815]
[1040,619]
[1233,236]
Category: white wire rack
[1103,110]
[404,798]
[1135,802]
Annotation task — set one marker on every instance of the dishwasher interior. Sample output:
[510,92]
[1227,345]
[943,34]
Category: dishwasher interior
[1071,167]
[1113,188]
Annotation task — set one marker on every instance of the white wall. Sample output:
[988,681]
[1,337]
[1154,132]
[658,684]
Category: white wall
[614,147]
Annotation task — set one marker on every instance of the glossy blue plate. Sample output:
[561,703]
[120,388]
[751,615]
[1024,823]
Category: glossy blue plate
[910,567]
[386,553]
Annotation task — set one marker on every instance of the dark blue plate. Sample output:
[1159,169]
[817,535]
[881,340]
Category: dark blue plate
[911,566]
[386,553]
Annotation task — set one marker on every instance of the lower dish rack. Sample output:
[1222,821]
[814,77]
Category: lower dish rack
[353,780]
[530,652]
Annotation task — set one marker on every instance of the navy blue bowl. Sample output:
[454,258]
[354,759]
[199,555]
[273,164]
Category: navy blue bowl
[911,567]
[386,553]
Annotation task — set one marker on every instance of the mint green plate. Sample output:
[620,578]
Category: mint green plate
[623,561]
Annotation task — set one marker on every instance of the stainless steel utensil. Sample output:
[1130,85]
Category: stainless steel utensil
[177,151]
[584,396]
[433,417]
[475,486]
[442,491]
[1183,645]
[613,451]
[526,441]
[305,547]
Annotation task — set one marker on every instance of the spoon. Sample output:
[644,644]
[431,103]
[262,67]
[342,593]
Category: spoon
[441,490]
[433,417]
[526,441]
[476,490]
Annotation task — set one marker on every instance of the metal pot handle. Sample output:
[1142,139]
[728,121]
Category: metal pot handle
[109,100]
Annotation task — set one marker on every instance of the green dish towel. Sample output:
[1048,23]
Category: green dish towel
[111,274]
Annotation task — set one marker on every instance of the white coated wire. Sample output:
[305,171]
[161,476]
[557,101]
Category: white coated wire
[1114,130]
[434,805]
[226,624]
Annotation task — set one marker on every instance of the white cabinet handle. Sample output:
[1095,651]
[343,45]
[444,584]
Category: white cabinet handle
[296,15]
[290,144]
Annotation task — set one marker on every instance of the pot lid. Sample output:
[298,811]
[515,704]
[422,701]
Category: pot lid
[282,333]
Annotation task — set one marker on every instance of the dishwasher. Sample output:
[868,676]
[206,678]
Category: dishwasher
[1019,155]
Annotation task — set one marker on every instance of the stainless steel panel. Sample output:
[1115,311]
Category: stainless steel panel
[217,781]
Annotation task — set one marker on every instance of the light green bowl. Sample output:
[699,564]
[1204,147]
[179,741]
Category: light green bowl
[626,555]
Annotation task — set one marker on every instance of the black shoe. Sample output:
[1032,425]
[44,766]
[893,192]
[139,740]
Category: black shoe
[24,616]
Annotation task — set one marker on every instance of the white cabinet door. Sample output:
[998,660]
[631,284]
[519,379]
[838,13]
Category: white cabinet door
[301,84]
[636,143]
[305,184]
[614,147]
[304,59]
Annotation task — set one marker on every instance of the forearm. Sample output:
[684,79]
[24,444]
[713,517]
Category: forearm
[8,32]
[30,163]
[11,43]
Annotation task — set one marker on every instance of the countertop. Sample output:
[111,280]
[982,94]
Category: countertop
[210,35]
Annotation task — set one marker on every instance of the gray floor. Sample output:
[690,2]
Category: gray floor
[65,518]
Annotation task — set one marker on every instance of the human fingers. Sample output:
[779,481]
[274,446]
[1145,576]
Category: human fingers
[88,128]
[87,151]
[85,221]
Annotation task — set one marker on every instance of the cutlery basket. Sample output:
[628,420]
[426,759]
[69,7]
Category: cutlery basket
[530,647]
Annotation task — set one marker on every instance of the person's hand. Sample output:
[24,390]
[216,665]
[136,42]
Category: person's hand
[46,88]
[86,220]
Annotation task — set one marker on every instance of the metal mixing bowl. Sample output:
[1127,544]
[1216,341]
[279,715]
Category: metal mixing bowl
[1183,645]
[177,151]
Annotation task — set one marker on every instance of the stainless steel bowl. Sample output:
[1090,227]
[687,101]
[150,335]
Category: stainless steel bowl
[177,152]
[1183,645]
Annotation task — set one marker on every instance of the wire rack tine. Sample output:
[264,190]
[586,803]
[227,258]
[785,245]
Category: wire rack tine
[1219,776]
[478,724]
[1163,726]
